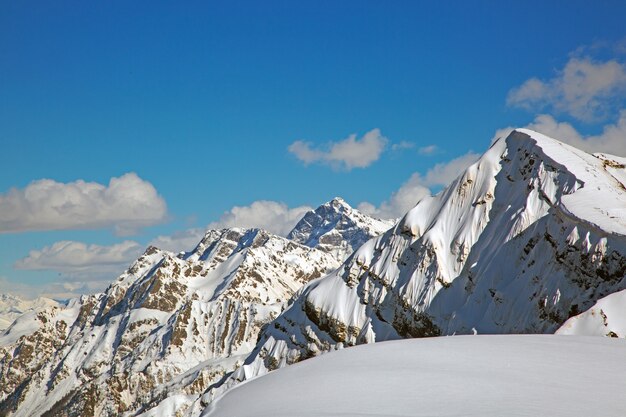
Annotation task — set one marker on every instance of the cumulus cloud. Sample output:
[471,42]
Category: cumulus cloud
[444,173]
[400,201]
[82,268]
[428,150]
[612,140]
[346,154]
[585,89]
[58,290]
[273,216]
[419,186]
[402,145]
[80,259]
[184,240]
[126,204]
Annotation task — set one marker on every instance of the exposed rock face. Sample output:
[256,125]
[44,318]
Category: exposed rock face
[171,325]
[165,330]
[530,235]
[533,233]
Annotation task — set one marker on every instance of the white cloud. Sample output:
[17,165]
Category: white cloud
[400,201]
[586,89]
[419,186]
[347,154]
[444,173]
[180,241]
[402,145]
[78,259]
[127,203]
[81,268]
[502,133]
[58,290]
[273,216]
[612,140]
[428,150]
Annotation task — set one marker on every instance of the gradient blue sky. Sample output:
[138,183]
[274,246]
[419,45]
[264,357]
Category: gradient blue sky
[202,100]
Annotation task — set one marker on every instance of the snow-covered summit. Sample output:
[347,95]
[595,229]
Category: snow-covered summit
[170,325]
[528,236]
[598,193]
[335,227]
[167,328]
[11,307]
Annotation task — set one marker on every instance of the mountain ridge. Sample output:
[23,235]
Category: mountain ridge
[514,245]
[163,331]
[337,228]
[531,238]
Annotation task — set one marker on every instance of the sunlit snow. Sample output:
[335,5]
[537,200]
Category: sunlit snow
[478,376]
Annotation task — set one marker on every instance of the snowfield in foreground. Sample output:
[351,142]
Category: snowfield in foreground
[521,375]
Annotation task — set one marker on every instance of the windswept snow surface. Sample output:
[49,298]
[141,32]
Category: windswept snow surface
[479,376]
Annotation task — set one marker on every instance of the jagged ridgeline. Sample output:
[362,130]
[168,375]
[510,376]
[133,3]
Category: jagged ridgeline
[171,325]
[529,239]
[530,235]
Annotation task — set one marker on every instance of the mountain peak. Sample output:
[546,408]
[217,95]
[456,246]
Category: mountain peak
[335,227]
[532,233]
[338,202]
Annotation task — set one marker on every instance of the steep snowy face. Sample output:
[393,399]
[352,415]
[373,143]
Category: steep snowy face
[30,341]
[11,307]
[337,228]
[164,330]
[480,376]
[533,233]
[605,318]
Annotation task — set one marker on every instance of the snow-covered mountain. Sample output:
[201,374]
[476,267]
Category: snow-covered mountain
[11,307]
[531,234]
[337,228]
[166,329]
[479,376]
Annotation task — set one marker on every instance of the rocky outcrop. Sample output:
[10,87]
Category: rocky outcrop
[168,327]
[531,234]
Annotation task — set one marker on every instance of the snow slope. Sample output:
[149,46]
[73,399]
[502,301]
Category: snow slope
[163,331]
[531,234]
[607,317]
[11,307]
[170,325]
[478,376]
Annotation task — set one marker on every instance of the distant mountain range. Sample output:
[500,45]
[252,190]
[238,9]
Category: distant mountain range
[11,307]
[529,239]
[171,325]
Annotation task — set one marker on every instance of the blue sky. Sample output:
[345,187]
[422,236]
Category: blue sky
[203,103]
